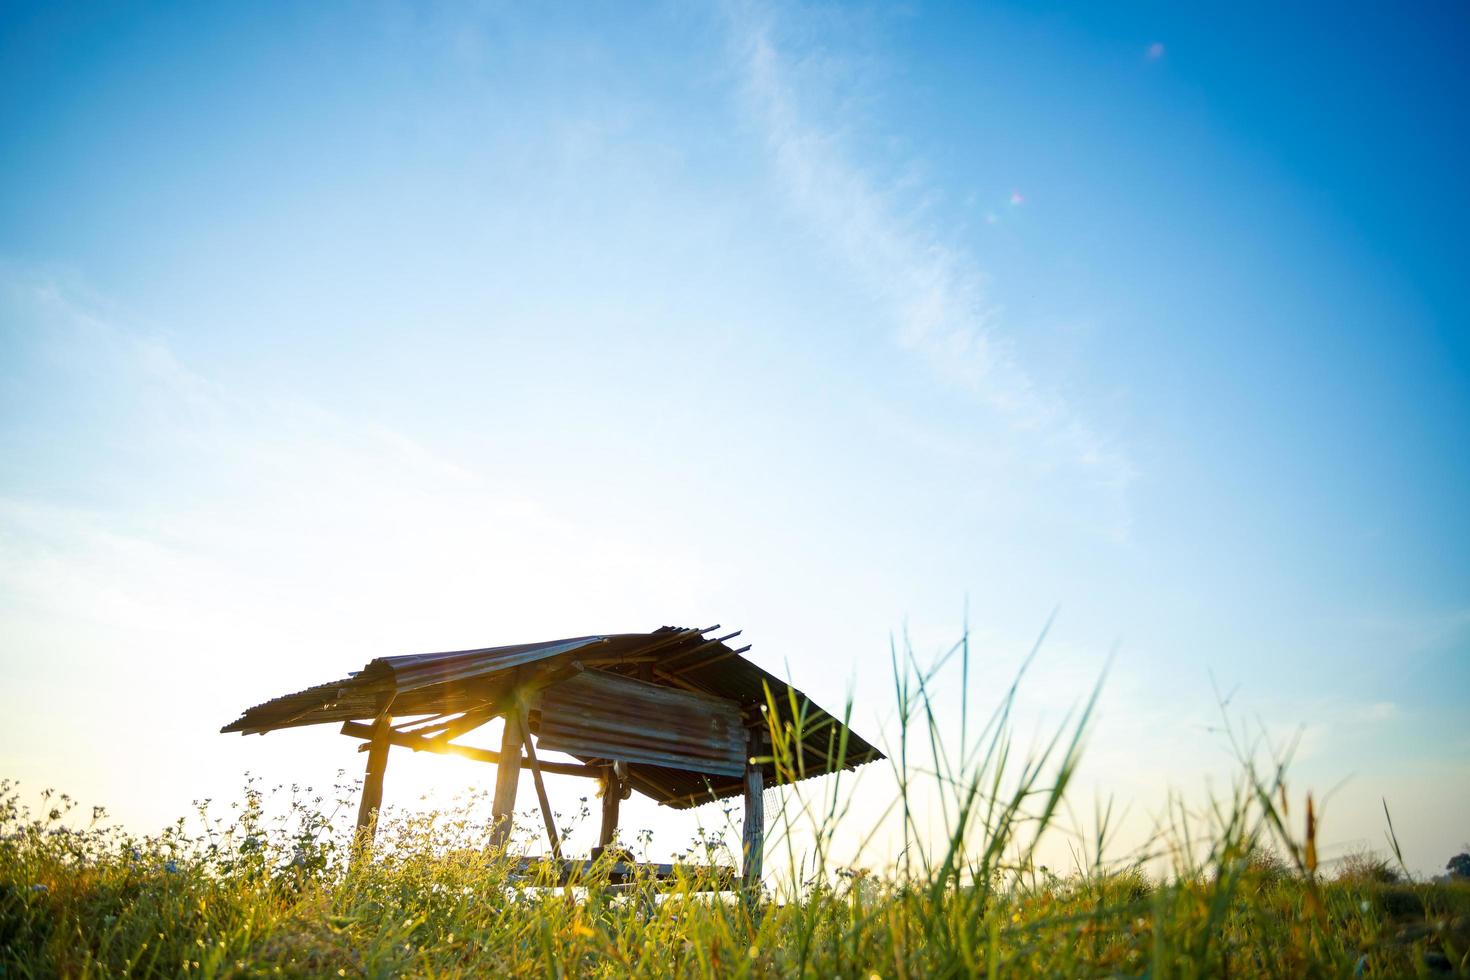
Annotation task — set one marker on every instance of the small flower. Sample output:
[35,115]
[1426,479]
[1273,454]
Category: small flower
[39,888]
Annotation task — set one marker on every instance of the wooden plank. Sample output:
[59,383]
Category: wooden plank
[420,744]
[573,871]
[507,776]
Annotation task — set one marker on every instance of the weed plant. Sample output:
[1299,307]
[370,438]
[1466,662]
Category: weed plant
[1233,891]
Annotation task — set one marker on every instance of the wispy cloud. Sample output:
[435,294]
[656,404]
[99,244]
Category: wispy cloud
[260,542]
[932,291]
[233,492]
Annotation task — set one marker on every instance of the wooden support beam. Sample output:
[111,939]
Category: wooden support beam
[372,781]
[643,656]
[706,795]
[677,681]
[500,696]
[752,837]
[419,743]
[541,799]
[467,722]
[417,725]
[722,655]
[529,680]
[612,798]
[676,638]
[679,659]
[291,718]
[507,776]
[651,786]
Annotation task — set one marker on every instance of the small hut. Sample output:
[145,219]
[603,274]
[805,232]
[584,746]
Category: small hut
[676,715]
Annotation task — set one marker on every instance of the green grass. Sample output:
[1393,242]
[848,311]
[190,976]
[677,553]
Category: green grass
[1233,890]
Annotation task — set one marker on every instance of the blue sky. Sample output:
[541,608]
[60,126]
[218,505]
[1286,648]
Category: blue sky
[329,332]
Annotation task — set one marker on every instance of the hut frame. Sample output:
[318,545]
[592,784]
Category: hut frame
[673,714]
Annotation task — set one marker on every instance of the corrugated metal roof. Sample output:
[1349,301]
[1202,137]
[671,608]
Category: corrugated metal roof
[599,714]
[415,684]
[464,680]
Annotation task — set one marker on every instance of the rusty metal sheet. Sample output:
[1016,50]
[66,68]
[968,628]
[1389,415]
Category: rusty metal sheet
[422,683]
[603,715]
[421,670]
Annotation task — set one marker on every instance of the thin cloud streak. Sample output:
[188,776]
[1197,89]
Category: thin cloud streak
[932,292]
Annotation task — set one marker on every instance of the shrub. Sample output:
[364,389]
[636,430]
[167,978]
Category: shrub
[1367,867]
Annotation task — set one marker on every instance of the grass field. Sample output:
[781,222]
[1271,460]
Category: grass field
[1234,891]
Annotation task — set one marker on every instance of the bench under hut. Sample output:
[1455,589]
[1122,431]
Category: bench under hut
[677,715]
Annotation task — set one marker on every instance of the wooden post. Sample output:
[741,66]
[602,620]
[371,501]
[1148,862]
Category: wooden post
[372,781]
[612,797]
[507,776]
[752,838]
[541,799]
